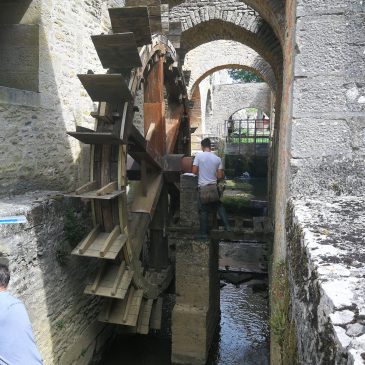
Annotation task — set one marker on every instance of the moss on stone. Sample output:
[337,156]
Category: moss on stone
[283,331]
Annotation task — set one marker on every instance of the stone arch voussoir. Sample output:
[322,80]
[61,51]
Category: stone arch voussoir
[202,61]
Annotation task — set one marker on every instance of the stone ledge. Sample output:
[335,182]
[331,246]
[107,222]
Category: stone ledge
[327,270]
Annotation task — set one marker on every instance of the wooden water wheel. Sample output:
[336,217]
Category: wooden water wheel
[139,64]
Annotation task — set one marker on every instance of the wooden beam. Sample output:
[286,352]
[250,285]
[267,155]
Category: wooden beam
[150,131]
[90,238]
[109,241]
[118,279]
[96,282]
[107,189]
[92,185]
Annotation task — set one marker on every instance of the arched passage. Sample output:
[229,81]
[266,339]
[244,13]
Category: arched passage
[207,23]
[202,61]
[271,11]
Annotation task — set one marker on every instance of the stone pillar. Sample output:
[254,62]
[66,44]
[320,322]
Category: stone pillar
[189,215]
[196,312]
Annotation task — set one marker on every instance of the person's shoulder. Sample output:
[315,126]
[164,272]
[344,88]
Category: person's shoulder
[9,302]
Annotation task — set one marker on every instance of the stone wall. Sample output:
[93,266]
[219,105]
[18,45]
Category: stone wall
[230,98]
[213,56]
[325,217]
[35,151]
[49,280]
[327,267]
[328,132]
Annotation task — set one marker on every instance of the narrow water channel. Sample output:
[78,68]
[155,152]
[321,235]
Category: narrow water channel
[242,337]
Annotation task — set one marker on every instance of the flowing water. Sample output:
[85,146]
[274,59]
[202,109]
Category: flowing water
[242,337]
[243,334]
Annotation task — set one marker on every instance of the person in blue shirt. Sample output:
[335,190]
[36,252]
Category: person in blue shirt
[17,344]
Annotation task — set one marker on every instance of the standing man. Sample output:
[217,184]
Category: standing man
[17,344]
[209,168]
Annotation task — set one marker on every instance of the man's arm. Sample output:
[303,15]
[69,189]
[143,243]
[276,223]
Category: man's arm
[220,174]
[195,170]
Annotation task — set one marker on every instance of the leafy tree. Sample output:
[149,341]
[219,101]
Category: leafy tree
[244,75]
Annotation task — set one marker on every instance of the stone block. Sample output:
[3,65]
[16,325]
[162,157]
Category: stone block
[325,95]
[320,137]
[318,7]
[189,335]
[330,45]
[195,315]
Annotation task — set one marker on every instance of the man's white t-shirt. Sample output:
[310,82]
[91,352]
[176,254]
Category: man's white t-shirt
[208,164]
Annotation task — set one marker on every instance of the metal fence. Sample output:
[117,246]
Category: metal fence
[247,131]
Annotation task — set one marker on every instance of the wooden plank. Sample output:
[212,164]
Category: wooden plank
[118,279]
[150,131]
[173,127]
[143,325]
[117,50]
[156,315]
[88,240]
[110,88]
[124,312]
[97,244]
[99,275]
[106,283]
[94,195]
[107,189]
[109,241]
[147,203]
[132,19]
[86,188]
[154,114]
[96,137]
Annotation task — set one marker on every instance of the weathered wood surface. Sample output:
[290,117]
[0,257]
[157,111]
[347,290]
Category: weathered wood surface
[117,50]
[132,19]
[125,311]
[108,277]
[96,137]
[154,12]
[110,88]
[93,244]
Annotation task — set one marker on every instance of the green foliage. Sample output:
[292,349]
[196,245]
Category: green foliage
[236,204]
[60,324]
[239,185]
[281,325]
[245,76]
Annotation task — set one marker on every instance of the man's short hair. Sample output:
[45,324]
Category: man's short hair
[206,143]
[4,276]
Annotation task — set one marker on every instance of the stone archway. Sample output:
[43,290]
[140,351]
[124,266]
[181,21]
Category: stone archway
[271,11]
[202,61]
[203,24]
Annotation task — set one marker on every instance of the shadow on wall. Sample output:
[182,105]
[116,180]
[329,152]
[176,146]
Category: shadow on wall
[38,154]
